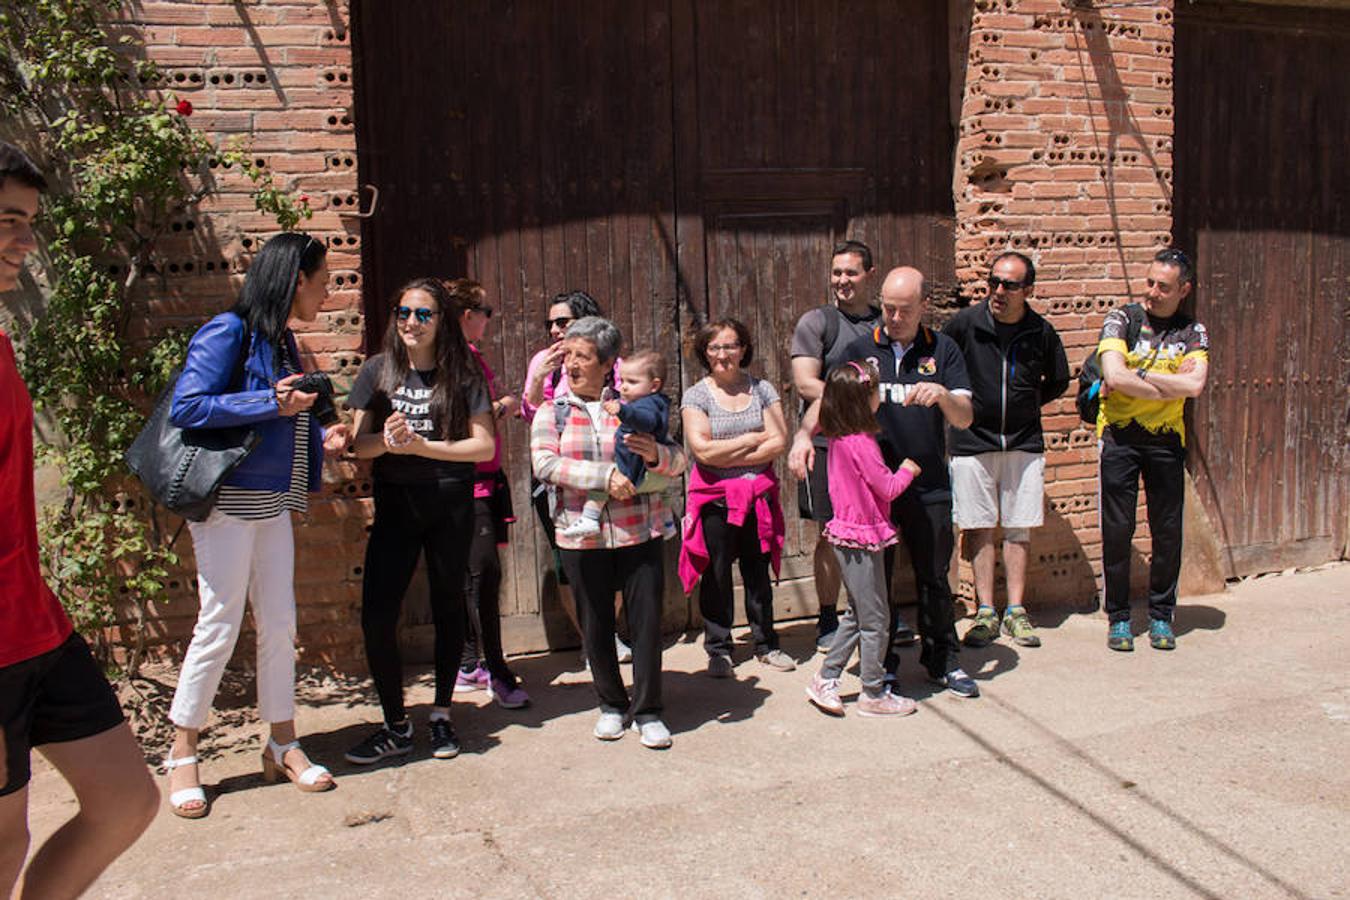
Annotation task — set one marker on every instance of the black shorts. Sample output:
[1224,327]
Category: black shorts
[813,494]
[57,697]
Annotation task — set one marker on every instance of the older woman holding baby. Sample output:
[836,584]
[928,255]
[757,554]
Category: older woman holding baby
[735,428]
[572,449]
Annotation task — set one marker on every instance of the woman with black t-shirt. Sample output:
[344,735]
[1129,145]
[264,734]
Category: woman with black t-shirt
[424,416]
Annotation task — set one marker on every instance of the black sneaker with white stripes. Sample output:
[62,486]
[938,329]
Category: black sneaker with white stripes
[444,741]
[382,744]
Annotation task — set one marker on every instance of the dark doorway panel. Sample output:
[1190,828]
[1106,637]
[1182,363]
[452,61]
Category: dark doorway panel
[675,158]
[1263,198]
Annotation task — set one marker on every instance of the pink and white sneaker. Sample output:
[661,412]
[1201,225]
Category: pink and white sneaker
[477,680]
[824,693]
[886,705]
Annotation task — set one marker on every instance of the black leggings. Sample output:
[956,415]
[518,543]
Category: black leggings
[431,518]
[483,597]
[716,601]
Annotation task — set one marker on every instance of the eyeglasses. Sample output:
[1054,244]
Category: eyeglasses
[421,314]
[995,283]
[723,348]
[560,322]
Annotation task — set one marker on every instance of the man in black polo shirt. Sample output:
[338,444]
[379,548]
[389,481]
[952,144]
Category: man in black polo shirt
[924,388]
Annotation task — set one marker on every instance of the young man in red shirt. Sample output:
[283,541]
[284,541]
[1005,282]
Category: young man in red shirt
[52,694]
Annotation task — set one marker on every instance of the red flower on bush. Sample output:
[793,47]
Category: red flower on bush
[184,108]
[304,198]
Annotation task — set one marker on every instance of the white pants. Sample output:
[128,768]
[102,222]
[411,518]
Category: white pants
[238,560]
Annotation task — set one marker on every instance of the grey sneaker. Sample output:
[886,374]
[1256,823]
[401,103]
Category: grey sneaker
[719,666]
[777,659]
[655,734]
[609,727]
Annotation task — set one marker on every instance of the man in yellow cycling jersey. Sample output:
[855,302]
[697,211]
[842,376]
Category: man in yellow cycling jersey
[1152,360]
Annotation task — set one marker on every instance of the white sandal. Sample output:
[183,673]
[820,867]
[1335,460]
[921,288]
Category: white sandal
[274,765]
[179,799]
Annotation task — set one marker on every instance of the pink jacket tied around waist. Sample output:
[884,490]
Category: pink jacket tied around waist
[759,492]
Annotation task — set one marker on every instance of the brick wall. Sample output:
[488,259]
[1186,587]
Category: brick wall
[278,76]
[1064,153]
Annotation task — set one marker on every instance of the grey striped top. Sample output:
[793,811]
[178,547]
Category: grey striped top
[728,423]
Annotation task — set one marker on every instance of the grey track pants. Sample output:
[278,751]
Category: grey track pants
[867,620]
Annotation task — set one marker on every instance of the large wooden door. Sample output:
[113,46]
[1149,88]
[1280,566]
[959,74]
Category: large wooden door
[799,124]
[1263,198]
[675,158]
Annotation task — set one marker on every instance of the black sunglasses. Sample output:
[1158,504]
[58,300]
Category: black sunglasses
[421,314]
[1172,255]
[560,322]
[995,283]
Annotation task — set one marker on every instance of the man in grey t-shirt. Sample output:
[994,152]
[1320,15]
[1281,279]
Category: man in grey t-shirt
[818,345]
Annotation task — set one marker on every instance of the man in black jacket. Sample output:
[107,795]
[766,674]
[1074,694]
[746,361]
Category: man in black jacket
[1017,365]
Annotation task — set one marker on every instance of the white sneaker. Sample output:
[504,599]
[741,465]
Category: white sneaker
[654,732]
[609,727]
[622,650]
[582,527]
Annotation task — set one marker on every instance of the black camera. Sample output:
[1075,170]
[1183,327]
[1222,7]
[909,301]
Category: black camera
[314,383]
[318,383]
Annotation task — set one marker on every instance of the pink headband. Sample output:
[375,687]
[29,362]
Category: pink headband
[863,375]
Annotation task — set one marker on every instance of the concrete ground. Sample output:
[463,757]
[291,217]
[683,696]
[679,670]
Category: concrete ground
[1219,770]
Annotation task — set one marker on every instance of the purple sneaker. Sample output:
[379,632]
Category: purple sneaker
[477,680]
[507,695]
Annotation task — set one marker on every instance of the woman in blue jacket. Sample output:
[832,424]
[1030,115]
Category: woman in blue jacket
[240,369]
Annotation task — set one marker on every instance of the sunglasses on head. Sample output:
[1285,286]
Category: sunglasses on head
[421,314]
[995,283]
[560,322]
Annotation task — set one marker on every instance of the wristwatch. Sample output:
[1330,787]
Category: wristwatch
[1142,373]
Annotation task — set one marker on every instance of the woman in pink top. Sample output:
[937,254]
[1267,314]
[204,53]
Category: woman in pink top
[861,491]
[482,665]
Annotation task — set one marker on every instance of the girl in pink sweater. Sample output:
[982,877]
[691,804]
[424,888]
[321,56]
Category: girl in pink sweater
[861,491]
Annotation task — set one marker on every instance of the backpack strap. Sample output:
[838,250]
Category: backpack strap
[831,333]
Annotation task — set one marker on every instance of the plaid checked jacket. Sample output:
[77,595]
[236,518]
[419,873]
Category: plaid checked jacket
[580,460]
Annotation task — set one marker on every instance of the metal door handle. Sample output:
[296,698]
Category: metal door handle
[374,202]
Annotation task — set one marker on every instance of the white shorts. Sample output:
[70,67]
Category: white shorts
[1000,488]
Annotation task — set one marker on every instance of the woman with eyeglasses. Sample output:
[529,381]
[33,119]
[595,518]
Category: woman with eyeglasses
[425,417]
[482,664]
[240,370]
[734,425]
[545,379]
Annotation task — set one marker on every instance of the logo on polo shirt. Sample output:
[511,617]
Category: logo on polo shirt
[927,366]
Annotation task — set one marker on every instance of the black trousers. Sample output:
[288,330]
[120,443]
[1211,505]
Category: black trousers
[1164,470]
[596,575]
[716,600]
[482,595]
[431,518]
[926,529]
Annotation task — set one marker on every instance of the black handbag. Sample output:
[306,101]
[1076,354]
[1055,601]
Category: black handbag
[183,468]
